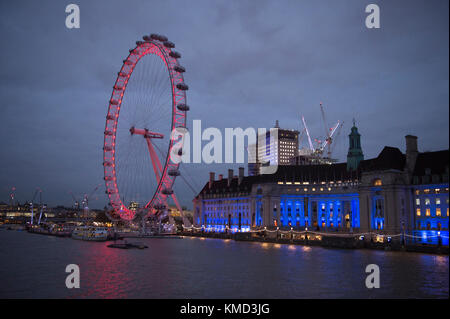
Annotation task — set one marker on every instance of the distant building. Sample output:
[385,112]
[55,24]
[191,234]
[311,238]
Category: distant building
[390,194]
[275,151]
[174,212]
[307,157]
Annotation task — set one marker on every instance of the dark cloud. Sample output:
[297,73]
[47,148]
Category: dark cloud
[248,63]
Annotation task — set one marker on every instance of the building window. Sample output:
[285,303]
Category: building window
[438,201]
[418,211]
[417,192]
[427,212]
[438,211]
[427,201]
[418,201]
[377,182]
[426,191]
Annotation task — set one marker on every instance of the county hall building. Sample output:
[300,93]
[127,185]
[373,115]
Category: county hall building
[390,194]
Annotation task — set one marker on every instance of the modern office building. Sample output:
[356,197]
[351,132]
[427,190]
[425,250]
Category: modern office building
[391,194]
[277,149]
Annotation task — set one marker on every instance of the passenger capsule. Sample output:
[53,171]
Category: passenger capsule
[169,44]
[179,69]
[167,191]
[174,172]
[162,38]
[182,86]
[183,107]
[175,54]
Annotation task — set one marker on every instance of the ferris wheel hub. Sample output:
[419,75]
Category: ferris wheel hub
[145,132]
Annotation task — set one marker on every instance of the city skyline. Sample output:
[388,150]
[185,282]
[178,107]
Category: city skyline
[280,61]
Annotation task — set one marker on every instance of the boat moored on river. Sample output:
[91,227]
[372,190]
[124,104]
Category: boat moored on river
[90,233]
[50,229]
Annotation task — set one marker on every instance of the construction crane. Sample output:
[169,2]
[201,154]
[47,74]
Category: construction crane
[32,205]
[322,145]
[42,207]
[86,198]
[329,132]
[307,133]
[329,140]
[76,203]
[12,196]
[336,136]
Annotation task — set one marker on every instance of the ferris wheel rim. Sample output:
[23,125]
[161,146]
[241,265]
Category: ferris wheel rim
[164,49]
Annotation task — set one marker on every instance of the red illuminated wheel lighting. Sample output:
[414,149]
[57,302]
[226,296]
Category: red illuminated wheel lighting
[148,101]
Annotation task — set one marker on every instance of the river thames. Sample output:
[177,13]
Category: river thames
[33,266]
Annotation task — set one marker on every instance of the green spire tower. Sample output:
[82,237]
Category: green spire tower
[355,153]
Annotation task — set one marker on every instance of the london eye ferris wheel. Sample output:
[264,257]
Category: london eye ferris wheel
[147,103]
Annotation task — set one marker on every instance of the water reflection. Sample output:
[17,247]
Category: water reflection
[211,268]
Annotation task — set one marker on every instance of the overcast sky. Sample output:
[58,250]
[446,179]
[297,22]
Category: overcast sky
[248,63]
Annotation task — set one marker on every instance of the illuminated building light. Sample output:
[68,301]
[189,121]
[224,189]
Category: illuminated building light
[379,239]
[378,182]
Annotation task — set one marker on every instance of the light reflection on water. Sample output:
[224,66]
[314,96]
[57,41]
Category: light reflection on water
[33,266]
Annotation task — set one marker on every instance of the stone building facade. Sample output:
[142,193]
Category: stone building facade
[389,194]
